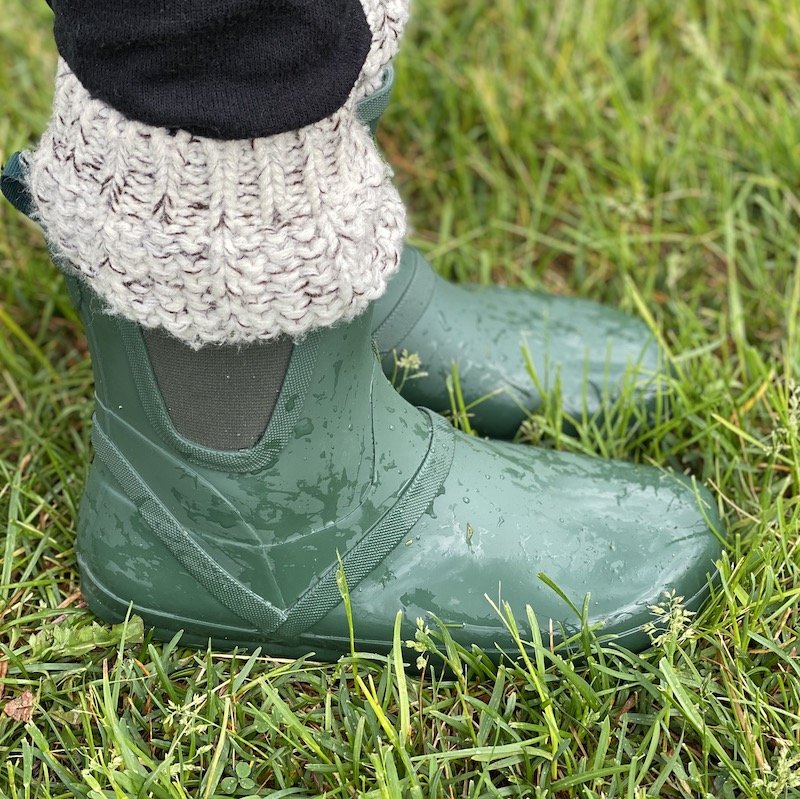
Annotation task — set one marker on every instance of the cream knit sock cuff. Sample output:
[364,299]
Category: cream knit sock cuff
[224,241]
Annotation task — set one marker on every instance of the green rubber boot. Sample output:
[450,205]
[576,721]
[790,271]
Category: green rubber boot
[242,545]
[589,351]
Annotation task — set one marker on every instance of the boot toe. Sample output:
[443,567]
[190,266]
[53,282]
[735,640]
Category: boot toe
[620,534]
[591,354]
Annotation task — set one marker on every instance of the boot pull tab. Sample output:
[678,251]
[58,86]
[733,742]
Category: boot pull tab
[371,108]
[14,185]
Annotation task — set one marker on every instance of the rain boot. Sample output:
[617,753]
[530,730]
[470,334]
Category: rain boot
[496,336]
[235,491]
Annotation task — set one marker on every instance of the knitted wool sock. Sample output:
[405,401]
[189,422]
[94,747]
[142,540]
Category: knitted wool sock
[222,242]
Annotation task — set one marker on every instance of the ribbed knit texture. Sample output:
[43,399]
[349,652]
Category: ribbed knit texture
[224,241]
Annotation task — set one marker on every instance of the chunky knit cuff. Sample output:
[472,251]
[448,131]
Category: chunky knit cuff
[223,241]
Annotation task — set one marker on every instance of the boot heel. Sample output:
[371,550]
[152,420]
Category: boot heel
[123,565]
[101,602]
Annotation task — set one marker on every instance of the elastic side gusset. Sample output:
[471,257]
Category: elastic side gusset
[221,397]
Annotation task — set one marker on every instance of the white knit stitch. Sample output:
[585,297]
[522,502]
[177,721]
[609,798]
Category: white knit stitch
[224,241]
[387,20]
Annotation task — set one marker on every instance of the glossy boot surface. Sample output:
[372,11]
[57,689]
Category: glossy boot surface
[242,547]
[587,352]
[511,346]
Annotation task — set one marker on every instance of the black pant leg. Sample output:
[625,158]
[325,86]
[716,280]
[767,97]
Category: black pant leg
[229,69]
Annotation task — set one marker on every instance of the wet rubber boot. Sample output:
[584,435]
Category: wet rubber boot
[591,353]
[229,523]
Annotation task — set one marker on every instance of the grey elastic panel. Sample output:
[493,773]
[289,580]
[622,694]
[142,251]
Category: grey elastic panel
[219,397]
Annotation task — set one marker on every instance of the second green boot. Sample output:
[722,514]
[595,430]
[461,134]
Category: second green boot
[491,334]
[591,353]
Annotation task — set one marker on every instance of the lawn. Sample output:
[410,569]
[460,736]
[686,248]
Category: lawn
[637,152]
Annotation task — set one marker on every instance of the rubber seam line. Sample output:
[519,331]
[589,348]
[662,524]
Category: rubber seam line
[320,599]
[284,417]
[406,304]
[374,546]
[235,596]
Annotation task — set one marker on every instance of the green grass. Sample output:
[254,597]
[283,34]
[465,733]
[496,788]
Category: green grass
[641,153]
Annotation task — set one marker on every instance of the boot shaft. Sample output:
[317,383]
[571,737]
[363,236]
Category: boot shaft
[319,433]
[240,537]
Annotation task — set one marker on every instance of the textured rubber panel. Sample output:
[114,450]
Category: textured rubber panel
[219,397]
[367,553]
[245,603]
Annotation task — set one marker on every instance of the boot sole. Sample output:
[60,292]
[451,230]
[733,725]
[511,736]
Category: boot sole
[165,626]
